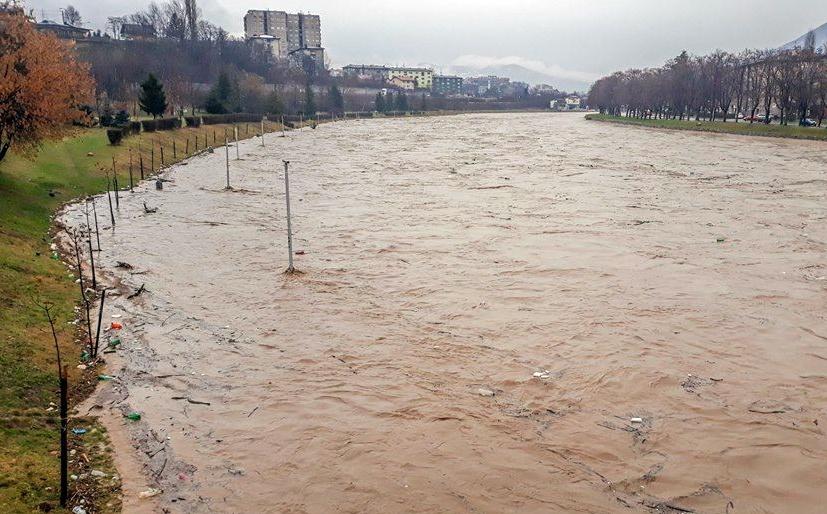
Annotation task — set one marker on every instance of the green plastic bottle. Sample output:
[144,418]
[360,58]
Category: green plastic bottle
[134,416]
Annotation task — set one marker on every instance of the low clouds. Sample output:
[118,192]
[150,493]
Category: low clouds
[554,70]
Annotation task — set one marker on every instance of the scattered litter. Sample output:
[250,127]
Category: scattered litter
[299,252]
[96,473]
[78,510]
[79,431]
[721,239]
[114,342]
[116,326]
[134,416]
[542,374]
[116,316]
[105,377]
[238,472]
[73,477]
[150,210]
[485,392]
[124,265]
[82,367]
[636,420]
[149,493]
[159,184]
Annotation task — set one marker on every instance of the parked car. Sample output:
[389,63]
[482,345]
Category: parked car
[807,122]
[757,118]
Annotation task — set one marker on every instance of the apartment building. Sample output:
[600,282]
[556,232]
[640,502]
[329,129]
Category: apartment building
[295,32]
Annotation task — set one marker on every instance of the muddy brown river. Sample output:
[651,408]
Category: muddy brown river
[525,313]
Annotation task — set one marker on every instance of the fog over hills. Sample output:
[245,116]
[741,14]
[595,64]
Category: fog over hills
[821,39]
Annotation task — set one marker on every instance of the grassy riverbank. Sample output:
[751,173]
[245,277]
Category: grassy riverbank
[30,192]
[740,128]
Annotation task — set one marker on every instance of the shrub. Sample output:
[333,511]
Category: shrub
[193,121]
[115,135]
[134,127]
[121,118]
[149,125]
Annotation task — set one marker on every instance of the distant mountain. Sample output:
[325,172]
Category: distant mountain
[821,39]
[522,74]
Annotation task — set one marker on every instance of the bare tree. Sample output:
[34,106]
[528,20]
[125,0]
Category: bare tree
[71,16]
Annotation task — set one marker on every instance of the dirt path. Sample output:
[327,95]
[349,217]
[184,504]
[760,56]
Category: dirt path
[674,277]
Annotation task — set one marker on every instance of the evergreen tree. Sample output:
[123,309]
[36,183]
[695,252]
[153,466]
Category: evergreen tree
[402,102]
[152,98]
[380,102]
[309,101]
[220,98]
[274,103]
[337,102]
[389,105]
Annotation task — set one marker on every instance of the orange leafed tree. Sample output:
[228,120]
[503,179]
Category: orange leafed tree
[42,85]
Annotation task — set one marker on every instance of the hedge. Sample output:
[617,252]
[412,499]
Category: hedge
[161,124]
[193,121]
[241,117]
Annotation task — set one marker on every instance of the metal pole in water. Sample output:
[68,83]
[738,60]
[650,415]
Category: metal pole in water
[290,268]
[235,132]
[227,152]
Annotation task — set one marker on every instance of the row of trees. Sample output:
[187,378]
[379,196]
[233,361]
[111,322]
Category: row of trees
[722,85]
[388,103]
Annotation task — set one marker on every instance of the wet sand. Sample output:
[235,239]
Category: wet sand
[669,276]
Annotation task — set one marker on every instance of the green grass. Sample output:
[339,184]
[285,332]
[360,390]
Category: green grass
[28,378]
[740,128]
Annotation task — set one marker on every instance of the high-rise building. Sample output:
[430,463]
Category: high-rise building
[294,31]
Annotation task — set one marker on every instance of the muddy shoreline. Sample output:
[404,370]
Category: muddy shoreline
[582,274]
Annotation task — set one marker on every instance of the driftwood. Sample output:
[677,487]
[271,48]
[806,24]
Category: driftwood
[137,292]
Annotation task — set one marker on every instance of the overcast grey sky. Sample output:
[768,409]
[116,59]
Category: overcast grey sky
[580,39]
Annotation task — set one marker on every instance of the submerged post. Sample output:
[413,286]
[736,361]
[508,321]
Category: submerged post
[235,133]
[290,268]
[115,182]
[227,153]
[97,230]
[262,132]
[283,134]
[109,196]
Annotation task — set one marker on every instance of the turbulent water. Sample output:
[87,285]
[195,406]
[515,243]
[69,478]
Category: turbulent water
[674,277]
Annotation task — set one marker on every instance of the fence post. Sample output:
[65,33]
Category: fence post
[235,133]
[131,189]
[64,436]
[262,132]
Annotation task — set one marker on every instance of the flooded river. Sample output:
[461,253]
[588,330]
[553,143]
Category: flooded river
[485,304]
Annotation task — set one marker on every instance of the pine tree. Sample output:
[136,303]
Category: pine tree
[402,102]
[337,102]
[380,102]
[152,99]
[274,103]
[219,99]
[309,101]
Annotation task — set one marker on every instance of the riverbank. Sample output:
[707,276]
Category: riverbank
[495,313]
[741,128]
[30,192]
